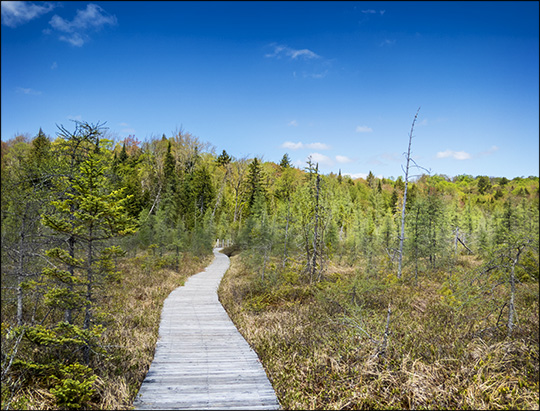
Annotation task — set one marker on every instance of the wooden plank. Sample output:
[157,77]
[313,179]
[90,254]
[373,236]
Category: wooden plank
[201,361]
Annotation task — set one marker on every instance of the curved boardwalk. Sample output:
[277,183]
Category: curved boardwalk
[201,360]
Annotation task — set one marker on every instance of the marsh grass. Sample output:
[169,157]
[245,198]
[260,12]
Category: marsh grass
[130,311]
[134,308]
[320,343]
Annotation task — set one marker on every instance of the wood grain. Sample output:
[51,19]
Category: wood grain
[201,360]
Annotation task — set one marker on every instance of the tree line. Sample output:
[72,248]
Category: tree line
[73,205]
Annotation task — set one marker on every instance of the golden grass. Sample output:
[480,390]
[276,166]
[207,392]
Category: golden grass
[132,331]
[130,309]
[310,343]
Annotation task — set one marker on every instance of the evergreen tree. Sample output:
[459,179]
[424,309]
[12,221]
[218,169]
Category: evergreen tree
[254,185]
[285,161]
[224,159]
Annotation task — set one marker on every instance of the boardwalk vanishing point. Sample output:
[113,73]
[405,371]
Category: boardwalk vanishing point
[201,361]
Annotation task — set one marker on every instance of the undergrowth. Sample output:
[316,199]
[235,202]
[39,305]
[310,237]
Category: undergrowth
[129,316]
[447,347]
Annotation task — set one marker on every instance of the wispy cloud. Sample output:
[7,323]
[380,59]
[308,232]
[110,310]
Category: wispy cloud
[312,146]
[343,159]
[488,152]
[293,123]
[29,91]
[325,160]
[363,129]
[371,11]
[356,175]
[280,51]
[360,175]
[456,155]
[387,42]
[316,75]
[321,159]
[292,146]
[54,65]
[313,65]
[384,158]
[78,117]
[75,31]
[16,13]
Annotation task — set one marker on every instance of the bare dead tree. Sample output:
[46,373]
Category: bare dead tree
[409,160]
[511,307]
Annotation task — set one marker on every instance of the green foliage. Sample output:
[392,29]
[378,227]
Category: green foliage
[285,161]
[73,390]
[68,205]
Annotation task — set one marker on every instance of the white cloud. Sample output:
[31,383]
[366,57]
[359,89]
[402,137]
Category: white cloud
[293,123]
[93,17]
[292,146]
[74,39]
[317,146]
[321,159]
[363,129]
[343,159]
[457,155]
[15,13]
[489,152]
[360,175]
[299,145]
[280,51]
[78,117]
[28,91]
[356,175]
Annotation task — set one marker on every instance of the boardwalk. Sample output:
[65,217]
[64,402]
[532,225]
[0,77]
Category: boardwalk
[201,360]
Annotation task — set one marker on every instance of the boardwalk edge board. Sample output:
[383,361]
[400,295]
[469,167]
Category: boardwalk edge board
[201,361]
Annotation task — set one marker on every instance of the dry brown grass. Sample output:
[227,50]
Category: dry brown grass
[309,340]
[134,311]
[130,309]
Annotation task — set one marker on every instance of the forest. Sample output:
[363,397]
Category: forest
[415,292]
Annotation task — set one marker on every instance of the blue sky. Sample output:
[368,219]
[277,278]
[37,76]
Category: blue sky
[340,81]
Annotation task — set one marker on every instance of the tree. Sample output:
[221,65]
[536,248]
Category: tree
[285,161]
[26,184]
[402,235]
[370,179]
[240,167]
[483,184]
[89,215]
[224,159]
[254,185]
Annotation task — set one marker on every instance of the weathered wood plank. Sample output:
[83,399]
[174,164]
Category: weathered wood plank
[201,361]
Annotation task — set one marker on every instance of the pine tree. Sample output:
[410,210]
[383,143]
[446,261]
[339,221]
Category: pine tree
[254,184]
[285,161]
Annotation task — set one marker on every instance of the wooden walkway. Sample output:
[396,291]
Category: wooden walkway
[201,360]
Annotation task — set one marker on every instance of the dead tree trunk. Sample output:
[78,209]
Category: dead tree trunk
[511,307]
[402,236]
[286,231]
[316,228]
